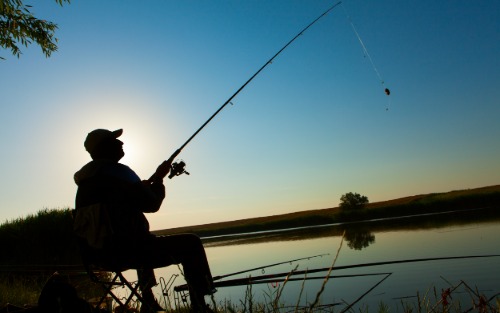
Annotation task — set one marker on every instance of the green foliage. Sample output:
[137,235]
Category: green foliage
[45,238]
[352,201]
[19,290]
[18,26]
[33,248]
[438,202]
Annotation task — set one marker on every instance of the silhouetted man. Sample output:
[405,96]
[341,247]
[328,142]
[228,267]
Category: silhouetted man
[110,204]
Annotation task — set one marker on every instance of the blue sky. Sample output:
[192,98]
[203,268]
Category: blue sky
[312,126]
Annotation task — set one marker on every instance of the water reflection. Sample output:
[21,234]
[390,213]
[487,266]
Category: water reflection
[358,238]
[365,230]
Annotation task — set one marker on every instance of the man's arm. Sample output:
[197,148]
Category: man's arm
[149,195]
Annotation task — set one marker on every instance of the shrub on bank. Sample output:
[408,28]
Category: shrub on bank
[44,238]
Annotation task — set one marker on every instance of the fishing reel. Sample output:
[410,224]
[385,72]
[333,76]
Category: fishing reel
[178,168]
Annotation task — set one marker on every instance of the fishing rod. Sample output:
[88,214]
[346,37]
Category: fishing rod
[272,279]
[266,266]
[364,294]
[178,168]
[342,267]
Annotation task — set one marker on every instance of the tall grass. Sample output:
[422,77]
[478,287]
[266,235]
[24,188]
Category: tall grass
[33,248]
[20,290]
[44,238]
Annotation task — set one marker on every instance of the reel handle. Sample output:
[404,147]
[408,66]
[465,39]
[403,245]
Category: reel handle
[164,168]
[178,168]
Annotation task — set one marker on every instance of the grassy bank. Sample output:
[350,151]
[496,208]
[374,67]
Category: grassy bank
[43,240]
[33,248]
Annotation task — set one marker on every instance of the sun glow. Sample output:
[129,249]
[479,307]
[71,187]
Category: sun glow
[145,123]
[134,152]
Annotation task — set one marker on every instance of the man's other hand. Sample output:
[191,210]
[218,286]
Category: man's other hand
[162,170]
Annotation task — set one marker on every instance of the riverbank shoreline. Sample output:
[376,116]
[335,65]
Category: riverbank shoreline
[418,206]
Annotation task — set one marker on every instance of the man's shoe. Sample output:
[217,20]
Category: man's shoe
[204,309]
[151,308]
[149,303]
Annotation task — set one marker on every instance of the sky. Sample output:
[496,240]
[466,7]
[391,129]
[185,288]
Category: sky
[313,125]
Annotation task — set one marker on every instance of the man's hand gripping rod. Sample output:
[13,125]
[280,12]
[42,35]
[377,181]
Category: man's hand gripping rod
[177,169]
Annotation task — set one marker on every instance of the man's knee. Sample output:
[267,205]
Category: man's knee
[178,242]
[191,240]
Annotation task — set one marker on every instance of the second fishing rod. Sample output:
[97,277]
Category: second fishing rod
[178,168]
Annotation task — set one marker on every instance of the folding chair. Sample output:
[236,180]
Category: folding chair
[90,225]
[109,278]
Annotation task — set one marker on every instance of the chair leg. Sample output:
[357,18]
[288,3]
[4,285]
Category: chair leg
[118,280]
[133,290]
[107,287]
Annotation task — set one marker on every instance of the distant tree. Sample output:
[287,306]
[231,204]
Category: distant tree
[352,201]
[18,26]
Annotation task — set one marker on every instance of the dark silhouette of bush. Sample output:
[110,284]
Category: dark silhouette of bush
[42,239]
[352,201]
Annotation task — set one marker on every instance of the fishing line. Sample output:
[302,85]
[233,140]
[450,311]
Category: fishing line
[178,168]
[367,55]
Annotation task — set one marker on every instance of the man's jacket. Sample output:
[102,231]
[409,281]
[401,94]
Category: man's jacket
[110,204]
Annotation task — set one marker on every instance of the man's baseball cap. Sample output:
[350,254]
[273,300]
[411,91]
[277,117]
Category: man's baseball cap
[95,137]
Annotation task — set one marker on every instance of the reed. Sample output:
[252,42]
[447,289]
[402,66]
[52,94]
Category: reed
[432,301]
[41,239]
[25,292]
[19,291]
[327,277]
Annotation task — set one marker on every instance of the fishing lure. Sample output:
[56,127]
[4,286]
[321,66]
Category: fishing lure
[367,55]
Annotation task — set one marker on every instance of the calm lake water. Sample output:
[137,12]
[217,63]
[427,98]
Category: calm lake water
[317,248]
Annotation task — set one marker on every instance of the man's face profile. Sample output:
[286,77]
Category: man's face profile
[111,149]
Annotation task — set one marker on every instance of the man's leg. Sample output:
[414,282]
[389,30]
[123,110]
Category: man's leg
[147,281]
[187,250]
